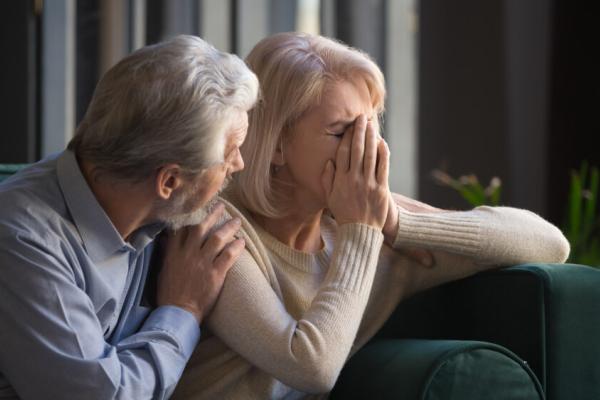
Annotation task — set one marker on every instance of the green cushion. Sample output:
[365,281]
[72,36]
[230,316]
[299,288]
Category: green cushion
[7,170]
[572,329]
[436,370]
[547,314]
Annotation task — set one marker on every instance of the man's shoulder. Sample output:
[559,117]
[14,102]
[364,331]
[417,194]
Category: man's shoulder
[32,202]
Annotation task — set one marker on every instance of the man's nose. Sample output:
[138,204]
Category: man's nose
[238,163]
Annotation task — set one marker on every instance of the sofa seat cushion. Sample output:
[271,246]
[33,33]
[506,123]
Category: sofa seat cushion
[436,370]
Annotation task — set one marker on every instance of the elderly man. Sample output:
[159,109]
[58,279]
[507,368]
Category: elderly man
[79,317]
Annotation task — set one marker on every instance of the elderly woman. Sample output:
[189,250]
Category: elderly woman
[325,261]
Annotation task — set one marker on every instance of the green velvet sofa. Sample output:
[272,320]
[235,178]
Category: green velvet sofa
[7,170]
[524,332]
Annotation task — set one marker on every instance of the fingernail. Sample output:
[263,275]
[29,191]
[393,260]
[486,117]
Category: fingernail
[237,221]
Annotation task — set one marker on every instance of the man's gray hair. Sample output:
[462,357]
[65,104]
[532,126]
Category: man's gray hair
[166,103]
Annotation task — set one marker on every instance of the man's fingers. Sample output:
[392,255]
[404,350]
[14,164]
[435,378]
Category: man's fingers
[221,237]
[230,253]
[175,239]
[358,144]
[201,230]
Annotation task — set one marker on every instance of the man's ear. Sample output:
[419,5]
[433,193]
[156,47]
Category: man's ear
[169,178]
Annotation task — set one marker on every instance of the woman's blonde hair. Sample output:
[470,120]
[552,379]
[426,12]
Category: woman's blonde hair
[293,70]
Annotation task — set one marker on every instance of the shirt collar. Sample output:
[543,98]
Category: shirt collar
[145,235]
[100,237]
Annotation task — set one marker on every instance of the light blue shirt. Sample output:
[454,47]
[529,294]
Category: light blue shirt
[72,319]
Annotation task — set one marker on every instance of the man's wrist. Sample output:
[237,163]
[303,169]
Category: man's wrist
[177,322]
[196,313]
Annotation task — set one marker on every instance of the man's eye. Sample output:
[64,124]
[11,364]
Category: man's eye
[337,134]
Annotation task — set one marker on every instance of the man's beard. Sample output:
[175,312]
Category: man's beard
[175,218]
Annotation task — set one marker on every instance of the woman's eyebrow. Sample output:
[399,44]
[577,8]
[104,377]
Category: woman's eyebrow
[341,123]
[345,122]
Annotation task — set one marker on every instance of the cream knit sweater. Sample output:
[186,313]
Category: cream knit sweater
[286,321]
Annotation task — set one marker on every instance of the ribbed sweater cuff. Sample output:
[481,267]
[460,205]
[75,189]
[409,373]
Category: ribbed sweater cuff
[355,257]
[451,231]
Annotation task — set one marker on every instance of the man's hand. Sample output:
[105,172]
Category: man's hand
[196,260]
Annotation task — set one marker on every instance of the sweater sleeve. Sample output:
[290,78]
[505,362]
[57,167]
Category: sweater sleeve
[306,354]
[484,235]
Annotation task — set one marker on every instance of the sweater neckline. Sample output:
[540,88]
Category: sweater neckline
[305,261]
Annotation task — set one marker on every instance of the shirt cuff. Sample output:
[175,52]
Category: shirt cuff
[178,323]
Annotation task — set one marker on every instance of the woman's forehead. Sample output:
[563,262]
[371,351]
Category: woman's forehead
[345,101]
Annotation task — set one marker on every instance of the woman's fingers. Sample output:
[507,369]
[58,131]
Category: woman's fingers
[342,157]
[327,178]
[358,144]
[370,157]
[421,256]
[383,163]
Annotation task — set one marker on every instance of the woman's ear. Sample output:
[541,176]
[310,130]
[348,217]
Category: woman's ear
[278,159]
[169,178]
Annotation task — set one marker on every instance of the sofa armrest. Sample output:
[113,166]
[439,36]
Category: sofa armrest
[548,314]
[436,369]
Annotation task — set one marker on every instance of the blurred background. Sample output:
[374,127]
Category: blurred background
[494,88]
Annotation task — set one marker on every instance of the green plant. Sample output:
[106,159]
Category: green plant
[470,189]
[582,226]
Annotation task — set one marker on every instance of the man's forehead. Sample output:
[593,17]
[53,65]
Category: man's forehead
[239,122]
[237,130]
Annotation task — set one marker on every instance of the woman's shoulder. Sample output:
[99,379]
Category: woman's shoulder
[234,210]
[233,204]
[255,253]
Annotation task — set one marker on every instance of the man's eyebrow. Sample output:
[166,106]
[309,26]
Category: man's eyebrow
[237,143]
[241,134]
[240,129]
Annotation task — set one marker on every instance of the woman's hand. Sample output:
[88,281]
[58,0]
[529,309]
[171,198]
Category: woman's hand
[356,187]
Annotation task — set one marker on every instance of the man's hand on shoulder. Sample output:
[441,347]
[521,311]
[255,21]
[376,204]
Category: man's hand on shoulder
[196,260]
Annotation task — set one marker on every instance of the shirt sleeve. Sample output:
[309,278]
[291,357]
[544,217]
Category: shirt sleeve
[52,344]
[306,353]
